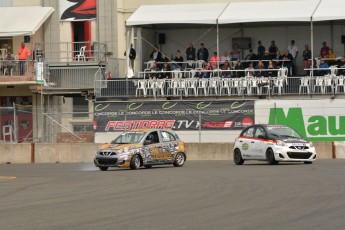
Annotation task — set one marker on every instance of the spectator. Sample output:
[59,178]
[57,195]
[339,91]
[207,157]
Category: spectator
[323,68]
[224,57]
[341,64]
[324,50]
[154,71]
[207,70]
[331,56]
[306,59]
[215,60]
[166,71]
[132,56]
[266,58]
[190,52]
[249,71]
[23,54]
[273,49]
[9,63]
[287,60]
[163,59]
[202,53]
[179,59]
[251,57]
[277,58]
[226,67]
[259,67]
[156,55]
[293,50]
[271,69]
[235,53]
[240,68]
[261,50]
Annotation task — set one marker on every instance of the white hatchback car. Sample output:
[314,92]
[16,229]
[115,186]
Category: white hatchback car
[273,143]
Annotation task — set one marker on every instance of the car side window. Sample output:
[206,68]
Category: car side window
[153,137]
[249,132]
[167,137]
[259,131]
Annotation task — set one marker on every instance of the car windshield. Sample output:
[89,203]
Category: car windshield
[283,131]
[129,138]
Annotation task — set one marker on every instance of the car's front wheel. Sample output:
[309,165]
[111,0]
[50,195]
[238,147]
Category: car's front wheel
[103,168]
[270,157]
[135,162]
[179,160]
[238,157]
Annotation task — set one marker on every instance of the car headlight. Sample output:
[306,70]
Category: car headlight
[280,143]
[311,145]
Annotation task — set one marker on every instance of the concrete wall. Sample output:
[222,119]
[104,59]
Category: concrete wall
[79,153]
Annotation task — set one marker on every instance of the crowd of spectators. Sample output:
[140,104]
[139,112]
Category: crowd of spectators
[265,62]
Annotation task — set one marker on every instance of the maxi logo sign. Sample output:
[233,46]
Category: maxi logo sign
[177,115]
[314,128]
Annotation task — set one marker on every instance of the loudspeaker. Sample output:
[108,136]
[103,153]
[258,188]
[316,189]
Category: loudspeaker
[161,38]
[343,39]
[27,39]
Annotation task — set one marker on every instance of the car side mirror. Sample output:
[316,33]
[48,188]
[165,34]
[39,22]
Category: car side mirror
[147,142]
[262,137]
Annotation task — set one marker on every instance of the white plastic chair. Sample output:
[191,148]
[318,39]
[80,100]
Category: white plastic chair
[328,84]
[81,54]
[199,63]
[141,88]
[225,86]
[304,85]
[235,86]
[202,85]
[319,84]
[213,85]
[160,86]
[278,83]
[339,83]
[151,87]
[191,86]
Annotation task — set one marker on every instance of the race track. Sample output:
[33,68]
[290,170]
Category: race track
[200,195]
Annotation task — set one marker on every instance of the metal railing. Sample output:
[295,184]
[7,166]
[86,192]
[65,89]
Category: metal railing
[23,68]
[216,86]
[70,52]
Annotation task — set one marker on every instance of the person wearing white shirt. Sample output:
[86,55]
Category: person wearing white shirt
[293,50]
[224,57]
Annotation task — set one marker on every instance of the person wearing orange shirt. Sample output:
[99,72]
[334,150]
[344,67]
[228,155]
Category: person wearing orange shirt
[23,54]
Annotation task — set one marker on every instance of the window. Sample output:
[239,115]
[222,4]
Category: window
[167,136]
[80,107]
[249,132]
[259,131]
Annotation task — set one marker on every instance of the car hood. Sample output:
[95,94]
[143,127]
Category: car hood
[292,140]
[119,146]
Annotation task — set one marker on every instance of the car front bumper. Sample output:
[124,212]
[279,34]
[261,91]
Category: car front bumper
[287,154]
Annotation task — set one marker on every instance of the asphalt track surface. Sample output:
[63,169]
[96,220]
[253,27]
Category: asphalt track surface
[200,195]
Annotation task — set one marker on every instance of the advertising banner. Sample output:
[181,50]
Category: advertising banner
[177,115]
[316,120]
[77,10]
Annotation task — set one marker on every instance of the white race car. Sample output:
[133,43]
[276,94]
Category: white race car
[273,143]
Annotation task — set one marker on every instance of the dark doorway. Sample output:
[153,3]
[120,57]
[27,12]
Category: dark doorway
[81,36]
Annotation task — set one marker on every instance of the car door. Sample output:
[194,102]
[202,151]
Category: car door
[151,146]
[260,143]
[246,143]
[168,145]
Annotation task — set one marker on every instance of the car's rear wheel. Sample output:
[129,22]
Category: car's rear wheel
[270,157]
[103,168]
[135,162]
[179,160]
[308,162]
[238,157]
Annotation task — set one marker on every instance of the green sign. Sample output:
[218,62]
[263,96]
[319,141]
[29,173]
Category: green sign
[314,128]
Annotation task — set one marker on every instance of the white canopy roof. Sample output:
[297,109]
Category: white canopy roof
[176,14]
[16,21]
[330,10]
[280,11]
[239,12]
